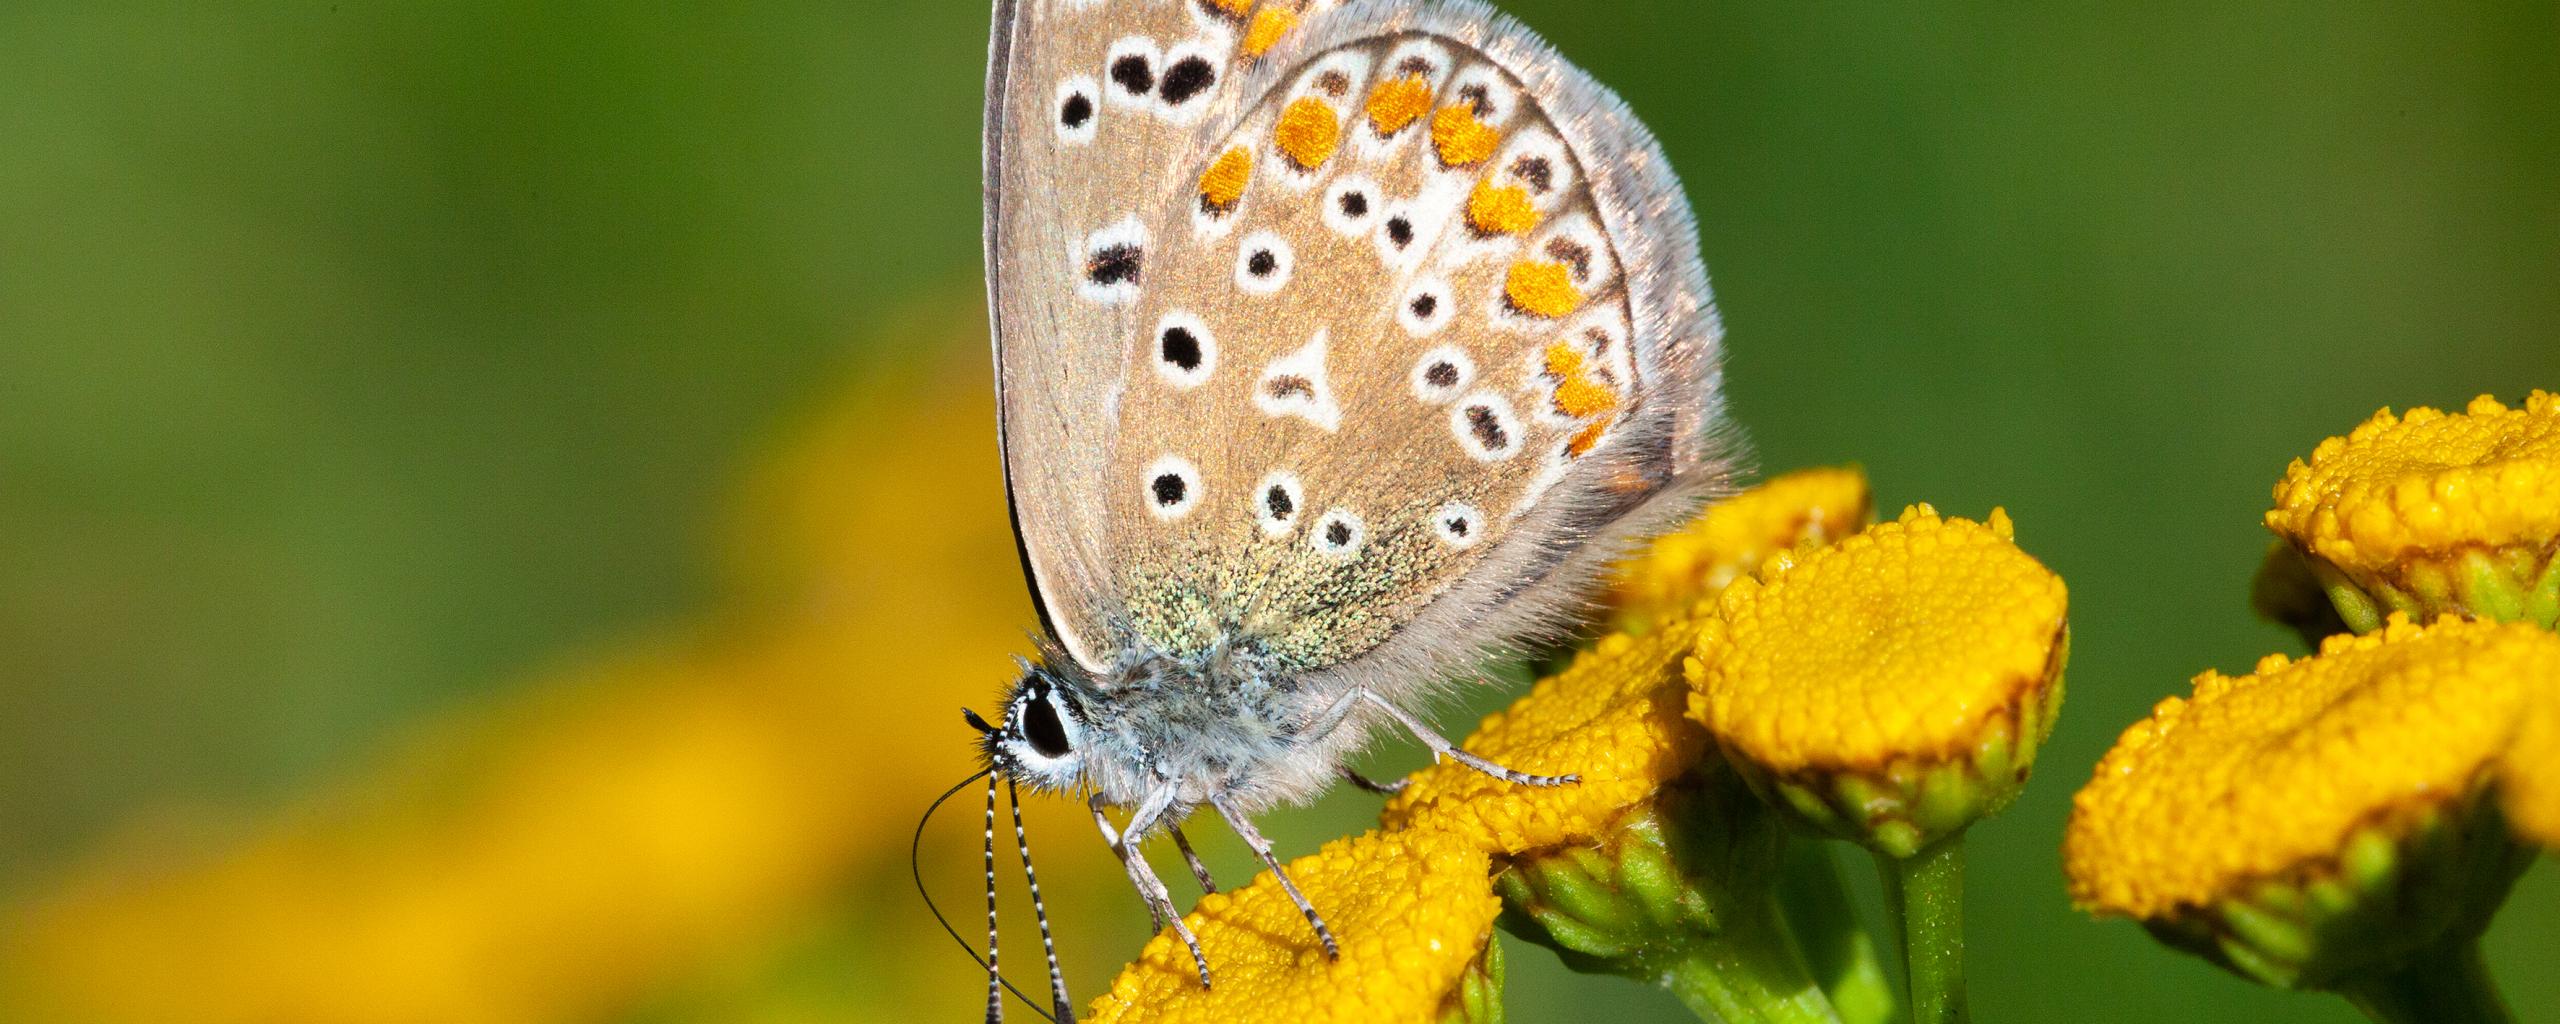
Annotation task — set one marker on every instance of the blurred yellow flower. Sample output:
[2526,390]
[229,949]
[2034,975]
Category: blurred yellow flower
[2434,512]
[2530,774]
[1808,506]
[619,823]
[1414,909]
[1894,686]
[2280,771]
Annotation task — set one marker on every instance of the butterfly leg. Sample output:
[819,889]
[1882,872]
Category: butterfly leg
[1441,746]
[1159,900]
[1373,785]
[1198,870]
[1262,848]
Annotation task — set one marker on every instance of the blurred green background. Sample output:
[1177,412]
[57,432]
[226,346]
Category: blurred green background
[360,360]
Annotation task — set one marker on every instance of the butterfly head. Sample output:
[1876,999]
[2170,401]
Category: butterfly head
[1041,740]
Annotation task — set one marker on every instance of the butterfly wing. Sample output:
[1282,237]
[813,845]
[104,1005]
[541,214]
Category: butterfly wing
[1088,102]
[1419,332]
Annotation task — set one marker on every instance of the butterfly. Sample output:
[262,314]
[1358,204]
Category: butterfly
[1340,346]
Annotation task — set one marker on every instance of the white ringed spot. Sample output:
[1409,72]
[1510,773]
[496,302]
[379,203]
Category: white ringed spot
[1442,374]
[1263,263]
[1077,110]
[1458,525]
[1170,487]
[1426,307]
[1484,425]
[1278,502]
[1108,268]
[1338,534]
[1351,205]
[1184,352]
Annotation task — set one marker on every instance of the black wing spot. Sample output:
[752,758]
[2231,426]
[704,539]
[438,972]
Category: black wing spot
[1441,375]
[1181,348]
[1134,74]
[1114,264]
[1169,489]
[1187,78]
[1400,231]
[1536,171]
[1457,526]
[1425,305]
[1354,204]
[1077,110]
[1261,263]
[1572,252]
[1337,533]
[1487,428]
[1277,501]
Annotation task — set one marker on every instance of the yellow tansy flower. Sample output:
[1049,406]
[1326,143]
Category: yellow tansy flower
[1591,868]
[1414,909]
[2433,512]
[1808,506]
[2269,820]
[1893,687]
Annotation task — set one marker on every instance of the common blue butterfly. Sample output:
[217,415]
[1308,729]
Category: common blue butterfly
[1340,346]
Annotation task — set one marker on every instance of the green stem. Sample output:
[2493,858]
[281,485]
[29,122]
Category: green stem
[1924,893]
[1743,977]
[1841,952]
[2444,984]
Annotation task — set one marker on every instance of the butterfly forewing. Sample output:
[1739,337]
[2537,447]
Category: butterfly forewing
[1381,325]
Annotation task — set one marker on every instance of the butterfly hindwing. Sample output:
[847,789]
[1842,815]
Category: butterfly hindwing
[1387,337]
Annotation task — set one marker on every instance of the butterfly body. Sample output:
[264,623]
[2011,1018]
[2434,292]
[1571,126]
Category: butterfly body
[1340,346]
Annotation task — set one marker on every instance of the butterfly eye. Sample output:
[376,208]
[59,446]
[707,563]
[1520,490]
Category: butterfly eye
[1042,726]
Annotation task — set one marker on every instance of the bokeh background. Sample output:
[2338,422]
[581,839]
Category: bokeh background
[498,502]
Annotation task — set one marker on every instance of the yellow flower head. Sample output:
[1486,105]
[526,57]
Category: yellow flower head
[1846,678]
[2377,729]
[2434,512]
[1808,506]
[1612,717]
[1413,909]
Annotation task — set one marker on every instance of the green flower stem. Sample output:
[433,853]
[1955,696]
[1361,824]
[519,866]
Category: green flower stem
[1841,952]
[1721,979]
[1684,895]
[2445,984]
[1924,894]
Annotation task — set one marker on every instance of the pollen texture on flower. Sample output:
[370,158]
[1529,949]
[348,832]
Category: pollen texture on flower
[1808,506]
[2427,483]
[1613,716]
[1900,642]
[2268,776]
[1412,909]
